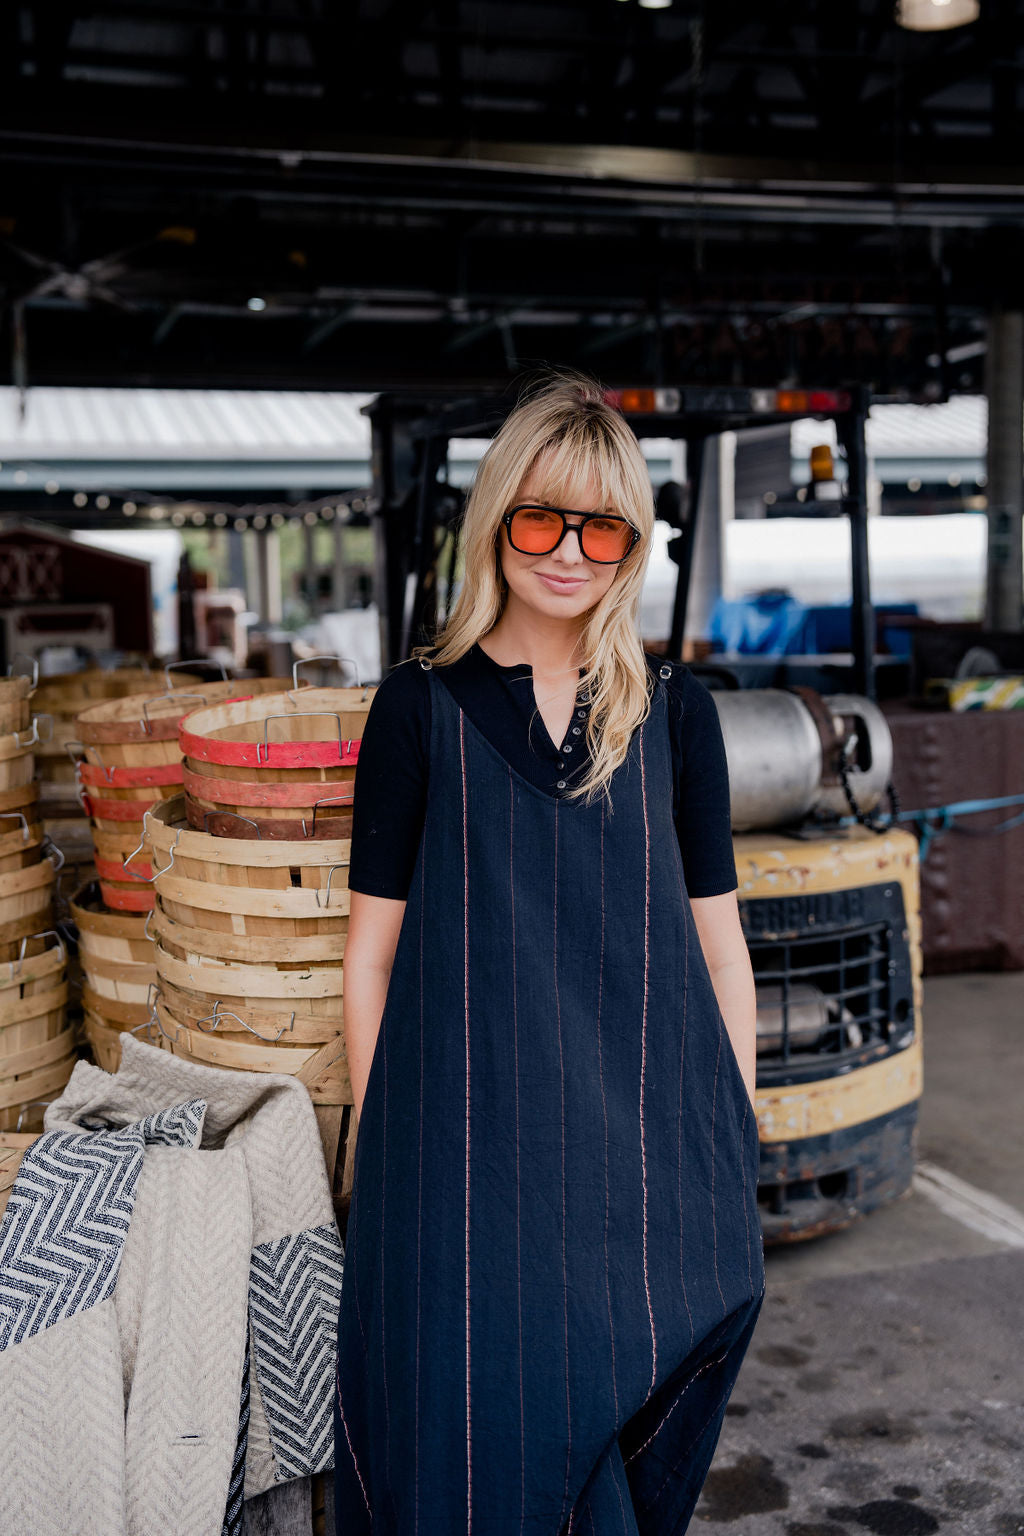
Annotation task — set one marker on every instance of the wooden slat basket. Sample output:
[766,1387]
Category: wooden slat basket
[37,1048]
[119,971]
[282,766]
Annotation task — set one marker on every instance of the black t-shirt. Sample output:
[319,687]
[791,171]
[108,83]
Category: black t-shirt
[394,755]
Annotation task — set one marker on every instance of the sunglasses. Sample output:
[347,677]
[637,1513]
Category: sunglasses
[534,530]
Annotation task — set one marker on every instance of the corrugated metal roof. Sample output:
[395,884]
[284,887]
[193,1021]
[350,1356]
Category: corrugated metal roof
[956,429]
[150,425]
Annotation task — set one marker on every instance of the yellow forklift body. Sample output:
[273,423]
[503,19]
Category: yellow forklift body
[834,926]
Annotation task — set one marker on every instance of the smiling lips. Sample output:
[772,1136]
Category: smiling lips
[558,584]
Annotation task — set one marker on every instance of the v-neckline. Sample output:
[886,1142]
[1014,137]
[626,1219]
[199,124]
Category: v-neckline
[551,800]
[527,676]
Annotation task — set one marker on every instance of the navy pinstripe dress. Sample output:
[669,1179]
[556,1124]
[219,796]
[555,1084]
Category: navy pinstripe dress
[553,1261]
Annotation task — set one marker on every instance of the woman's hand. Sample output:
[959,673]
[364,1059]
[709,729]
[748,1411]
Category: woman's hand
[728,961]
[373,927]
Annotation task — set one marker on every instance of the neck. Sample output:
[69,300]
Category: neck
[547,644]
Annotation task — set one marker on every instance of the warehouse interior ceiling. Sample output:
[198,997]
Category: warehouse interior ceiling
[429,193]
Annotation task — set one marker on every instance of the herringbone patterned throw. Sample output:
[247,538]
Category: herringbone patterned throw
[172,1219]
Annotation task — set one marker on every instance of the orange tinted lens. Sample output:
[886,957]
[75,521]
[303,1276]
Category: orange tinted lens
[606,538]
[535,531]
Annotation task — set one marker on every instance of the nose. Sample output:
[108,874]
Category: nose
[570,551]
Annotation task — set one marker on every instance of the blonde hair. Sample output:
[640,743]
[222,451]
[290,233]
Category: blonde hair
[585,442]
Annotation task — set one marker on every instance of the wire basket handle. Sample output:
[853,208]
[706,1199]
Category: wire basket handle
[199,661]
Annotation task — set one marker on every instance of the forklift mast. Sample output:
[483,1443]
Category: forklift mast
[415,509]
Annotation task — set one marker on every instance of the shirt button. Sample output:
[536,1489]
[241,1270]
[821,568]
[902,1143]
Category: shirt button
[581,714]
[576,730]
[560,763]
[560,784]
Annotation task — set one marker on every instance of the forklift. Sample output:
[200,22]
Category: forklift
[828,887]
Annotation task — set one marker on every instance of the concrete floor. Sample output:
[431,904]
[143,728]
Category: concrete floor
[884,1388]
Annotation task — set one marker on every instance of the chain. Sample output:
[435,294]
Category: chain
[864,818]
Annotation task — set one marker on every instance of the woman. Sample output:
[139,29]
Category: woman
[553,1258]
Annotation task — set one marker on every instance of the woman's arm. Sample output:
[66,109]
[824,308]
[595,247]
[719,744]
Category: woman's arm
[373,927]
[725,950]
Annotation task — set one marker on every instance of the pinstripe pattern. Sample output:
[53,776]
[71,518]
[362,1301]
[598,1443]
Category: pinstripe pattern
[519,1208]
[348,1440]
[677,865]
[746,1213]
[419,1219]
[643,1045]
[565,1266]
[465,928]
[583,1223]
[604,1117]
[383,1261]
[714,1164]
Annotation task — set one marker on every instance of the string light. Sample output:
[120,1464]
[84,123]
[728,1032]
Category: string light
[102,502]
[129,509]
[51,487]
[220,520]
[80,499]
[239,525]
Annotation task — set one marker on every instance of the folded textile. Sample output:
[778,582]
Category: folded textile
[170,1274]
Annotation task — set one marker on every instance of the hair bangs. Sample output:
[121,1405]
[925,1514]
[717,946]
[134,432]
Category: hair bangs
[582,471]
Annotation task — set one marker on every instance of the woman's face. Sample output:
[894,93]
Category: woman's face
[563,584]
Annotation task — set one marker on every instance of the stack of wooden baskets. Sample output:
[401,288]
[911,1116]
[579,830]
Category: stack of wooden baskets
[131,763]
[37,1049]
[19,794]
[63,698]
[27,873]
[37,1046]
[252,900]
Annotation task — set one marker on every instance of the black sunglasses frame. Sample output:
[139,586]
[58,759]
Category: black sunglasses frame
[576,528]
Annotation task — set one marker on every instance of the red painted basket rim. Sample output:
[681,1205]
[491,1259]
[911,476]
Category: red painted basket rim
[264,795]
[130,778]
[118,810]
[277,754]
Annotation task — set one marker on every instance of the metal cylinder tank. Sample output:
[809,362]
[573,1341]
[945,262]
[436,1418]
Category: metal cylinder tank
[779,772]
[774,755]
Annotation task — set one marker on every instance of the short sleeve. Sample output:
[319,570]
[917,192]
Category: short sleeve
[701,800]
[391,785]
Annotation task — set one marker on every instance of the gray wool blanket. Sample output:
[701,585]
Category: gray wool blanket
[170,1274]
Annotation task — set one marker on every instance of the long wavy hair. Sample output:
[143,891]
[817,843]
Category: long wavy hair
[585,446]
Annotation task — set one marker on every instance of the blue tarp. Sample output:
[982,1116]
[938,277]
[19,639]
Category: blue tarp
[775,624]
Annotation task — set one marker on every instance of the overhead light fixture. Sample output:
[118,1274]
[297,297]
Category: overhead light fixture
[257,305]
[936,15]
[655,5]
